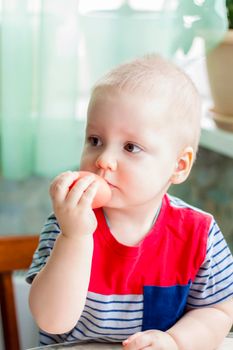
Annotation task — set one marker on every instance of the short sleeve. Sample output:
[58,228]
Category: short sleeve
[48,237]
[214,281]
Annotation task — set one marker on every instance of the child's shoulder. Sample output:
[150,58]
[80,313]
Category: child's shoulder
[178,204]
[177,210]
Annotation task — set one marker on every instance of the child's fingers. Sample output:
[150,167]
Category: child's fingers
[89,195]
[79,190]
[137,341]
[60,185]
[131,338]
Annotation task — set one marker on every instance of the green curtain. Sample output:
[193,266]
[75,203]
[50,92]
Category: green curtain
[39,60]
[51,54]
[113,36]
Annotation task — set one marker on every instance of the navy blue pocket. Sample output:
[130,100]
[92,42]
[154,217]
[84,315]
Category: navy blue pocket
[163,306]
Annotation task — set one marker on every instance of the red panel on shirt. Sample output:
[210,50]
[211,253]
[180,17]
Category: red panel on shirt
[170,254]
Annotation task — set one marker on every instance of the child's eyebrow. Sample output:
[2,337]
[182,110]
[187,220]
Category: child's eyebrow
[91,124]
[90,127]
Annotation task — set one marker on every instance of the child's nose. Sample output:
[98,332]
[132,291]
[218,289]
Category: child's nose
[106,162]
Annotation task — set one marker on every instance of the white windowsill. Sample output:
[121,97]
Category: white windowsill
[212,137]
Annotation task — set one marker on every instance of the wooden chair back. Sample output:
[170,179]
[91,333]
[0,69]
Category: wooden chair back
[15,254]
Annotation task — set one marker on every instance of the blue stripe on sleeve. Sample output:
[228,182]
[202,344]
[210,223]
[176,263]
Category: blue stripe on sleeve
[214,280]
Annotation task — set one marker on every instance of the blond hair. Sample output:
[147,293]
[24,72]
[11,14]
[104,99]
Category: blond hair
[155,77]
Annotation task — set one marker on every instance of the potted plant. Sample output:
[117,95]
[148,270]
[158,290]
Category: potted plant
[220,73]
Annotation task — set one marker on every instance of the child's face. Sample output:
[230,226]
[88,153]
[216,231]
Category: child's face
[131,146]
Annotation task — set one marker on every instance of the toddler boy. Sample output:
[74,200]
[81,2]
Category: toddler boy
[147,269]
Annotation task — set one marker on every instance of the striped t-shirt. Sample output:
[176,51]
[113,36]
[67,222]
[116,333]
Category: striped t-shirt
[184,261]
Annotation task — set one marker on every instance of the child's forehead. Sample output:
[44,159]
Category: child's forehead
[123,110]
[136,99]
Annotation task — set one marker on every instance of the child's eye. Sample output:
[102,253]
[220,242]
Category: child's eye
[94,141]
[132,148]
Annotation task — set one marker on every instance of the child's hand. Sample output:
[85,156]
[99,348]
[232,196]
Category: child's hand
[152,339]
[73,207]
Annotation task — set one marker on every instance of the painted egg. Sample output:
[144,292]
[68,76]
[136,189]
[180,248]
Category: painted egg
[103,194]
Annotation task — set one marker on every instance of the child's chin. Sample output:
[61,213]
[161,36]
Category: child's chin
[115,203]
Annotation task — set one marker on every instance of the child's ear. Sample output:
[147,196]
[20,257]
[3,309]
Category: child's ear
[183,166]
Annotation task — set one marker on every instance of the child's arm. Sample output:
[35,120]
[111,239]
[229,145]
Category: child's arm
[203,328]
[198,329]
[59,290]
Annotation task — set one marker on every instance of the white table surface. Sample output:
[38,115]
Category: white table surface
[226,345]
[87,346]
